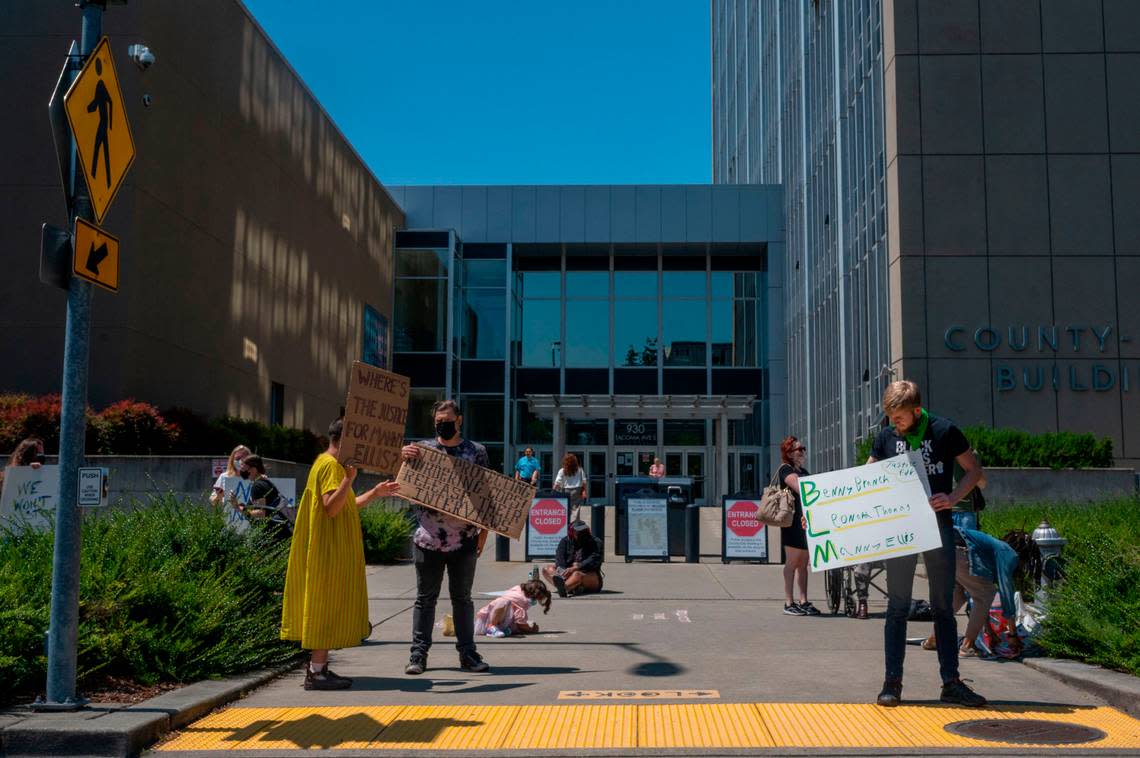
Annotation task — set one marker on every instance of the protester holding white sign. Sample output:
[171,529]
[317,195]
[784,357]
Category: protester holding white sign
[940,444]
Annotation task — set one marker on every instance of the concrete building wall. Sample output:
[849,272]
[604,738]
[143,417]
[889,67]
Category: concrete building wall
[1012,133]
[252,233]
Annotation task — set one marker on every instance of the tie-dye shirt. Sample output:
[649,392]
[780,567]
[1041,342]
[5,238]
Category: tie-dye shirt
[437,531]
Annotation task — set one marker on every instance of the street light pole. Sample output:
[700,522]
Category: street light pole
[63,634]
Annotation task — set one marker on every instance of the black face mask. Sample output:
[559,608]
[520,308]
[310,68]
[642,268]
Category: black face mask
[445,430]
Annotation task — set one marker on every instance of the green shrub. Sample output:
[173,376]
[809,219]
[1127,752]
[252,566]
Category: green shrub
[127,427]
[1018,449]
[216,436]
[1055,450]
[387,528]
[167,593]
[1094,613]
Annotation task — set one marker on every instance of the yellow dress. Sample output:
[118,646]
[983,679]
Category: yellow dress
[326,600]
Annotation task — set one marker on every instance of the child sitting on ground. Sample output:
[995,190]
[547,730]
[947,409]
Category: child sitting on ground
[507,614]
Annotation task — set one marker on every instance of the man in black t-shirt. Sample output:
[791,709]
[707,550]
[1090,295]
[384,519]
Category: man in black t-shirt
[941,445]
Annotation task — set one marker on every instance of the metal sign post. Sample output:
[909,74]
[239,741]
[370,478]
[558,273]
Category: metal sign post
[63,632]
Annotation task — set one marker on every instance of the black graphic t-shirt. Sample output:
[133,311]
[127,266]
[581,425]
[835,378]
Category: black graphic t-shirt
[942,443]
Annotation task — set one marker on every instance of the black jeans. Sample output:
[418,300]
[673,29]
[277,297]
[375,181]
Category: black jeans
[460,566]
[900,582]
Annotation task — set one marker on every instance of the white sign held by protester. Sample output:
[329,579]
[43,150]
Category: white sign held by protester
[868,513]
[238,489]
[29,496]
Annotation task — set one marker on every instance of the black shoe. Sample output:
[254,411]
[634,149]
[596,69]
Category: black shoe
[322,680]
[957,693]
[793,610]
[473,662]
[336,677]
[808,608]
[559,584]
[416,664]
[891,694]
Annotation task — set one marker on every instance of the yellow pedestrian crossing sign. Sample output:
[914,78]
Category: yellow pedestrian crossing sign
[94,106]
[96,256]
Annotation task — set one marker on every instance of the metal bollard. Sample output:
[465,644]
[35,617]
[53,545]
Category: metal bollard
[692,533]
[598,521]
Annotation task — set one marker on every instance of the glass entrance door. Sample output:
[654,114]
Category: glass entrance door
[632,461]
[594,462]
[690,463]
[744,473]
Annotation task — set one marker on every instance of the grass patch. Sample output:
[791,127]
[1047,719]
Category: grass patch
[1094,614]
[167,594]
[387,527]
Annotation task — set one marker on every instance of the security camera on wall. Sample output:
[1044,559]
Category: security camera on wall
[141,55]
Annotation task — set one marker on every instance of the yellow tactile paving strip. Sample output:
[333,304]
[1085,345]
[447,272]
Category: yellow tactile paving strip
[569,727]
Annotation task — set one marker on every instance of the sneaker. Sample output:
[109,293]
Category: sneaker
[494,631]
[861,612]
[891,694]
[957,693]
[416,664]
[473,662]
[559,584]
[808,608]
[322,681]
[793,610]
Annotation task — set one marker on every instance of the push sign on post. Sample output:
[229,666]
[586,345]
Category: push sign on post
[92,487]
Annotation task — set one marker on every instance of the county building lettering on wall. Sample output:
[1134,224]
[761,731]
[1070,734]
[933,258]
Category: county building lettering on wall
[1099,369]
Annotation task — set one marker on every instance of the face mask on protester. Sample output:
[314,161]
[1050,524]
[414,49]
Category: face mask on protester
[445,430]
[533,602]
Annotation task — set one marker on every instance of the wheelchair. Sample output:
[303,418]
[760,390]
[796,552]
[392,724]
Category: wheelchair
[839,588]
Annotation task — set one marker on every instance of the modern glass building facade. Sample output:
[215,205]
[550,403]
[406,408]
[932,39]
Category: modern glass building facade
[797,94]
[957,175]
[618,323]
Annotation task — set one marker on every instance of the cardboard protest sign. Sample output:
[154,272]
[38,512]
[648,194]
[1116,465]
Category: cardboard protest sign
[375,415]
[868,513]
[29,496]
[466,491]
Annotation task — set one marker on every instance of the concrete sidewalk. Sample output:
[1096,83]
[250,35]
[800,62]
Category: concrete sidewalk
[715,631]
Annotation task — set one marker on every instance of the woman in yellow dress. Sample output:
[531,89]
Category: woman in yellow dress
[326,599]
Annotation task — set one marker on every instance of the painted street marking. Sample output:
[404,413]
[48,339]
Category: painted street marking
[683,617]
[638,694]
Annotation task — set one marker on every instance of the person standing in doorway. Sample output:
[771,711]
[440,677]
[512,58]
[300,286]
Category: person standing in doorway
[528,469]
[941,445]
[444,543]
[657,470]
[326,600]
[794,538]
[571,479]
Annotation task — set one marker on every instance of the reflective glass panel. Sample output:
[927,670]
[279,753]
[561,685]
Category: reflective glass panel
[420,423]
[530,428]
[541,284]
[639,284]
[683,332]
[683,284]
[635,333]
[484,273]
[482,418]
[587,334]
[411,262]
[541,333]
[421,315]
[484,324]
[589,284]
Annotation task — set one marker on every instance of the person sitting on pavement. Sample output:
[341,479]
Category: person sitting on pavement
[507,614]
[985,567]
[577,568]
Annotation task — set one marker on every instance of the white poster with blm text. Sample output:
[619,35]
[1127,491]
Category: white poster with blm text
[868,513]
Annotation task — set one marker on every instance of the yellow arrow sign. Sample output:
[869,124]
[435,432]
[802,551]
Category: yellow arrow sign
[94,106]
[96,256]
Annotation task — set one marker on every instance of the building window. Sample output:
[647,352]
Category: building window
[276,404]
[539,322]
[684,320]
[737,315]
[421,301]
[374,350]
[420,423]
[484,316]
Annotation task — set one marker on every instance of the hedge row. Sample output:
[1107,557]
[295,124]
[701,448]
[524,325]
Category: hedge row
[1018,449]
[130,427]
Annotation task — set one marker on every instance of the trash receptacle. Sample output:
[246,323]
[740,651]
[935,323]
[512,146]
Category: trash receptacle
[677,492]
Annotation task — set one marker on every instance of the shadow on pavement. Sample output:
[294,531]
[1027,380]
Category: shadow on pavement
[657,668]
[419,730]
[420,686]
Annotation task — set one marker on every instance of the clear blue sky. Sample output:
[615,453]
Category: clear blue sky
[496,92]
